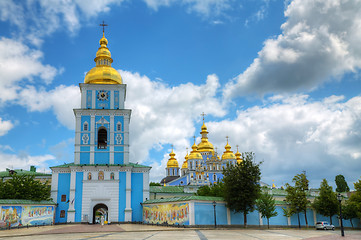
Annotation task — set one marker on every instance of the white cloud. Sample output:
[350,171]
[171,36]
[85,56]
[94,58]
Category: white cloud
[165,115]
[61,100]
[319,42]
[23,161]
[204,8]
[5,126]
[294,133]
[19,63]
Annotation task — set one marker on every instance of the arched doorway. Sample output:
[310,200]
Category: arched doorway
[100,210]
[102,138]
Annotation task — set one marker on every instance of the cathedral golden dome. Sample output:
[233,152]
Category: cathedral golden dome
[228,154]
[172,162]
[204,145]
[238,156]
[194,153]
[103,72]
[185,163]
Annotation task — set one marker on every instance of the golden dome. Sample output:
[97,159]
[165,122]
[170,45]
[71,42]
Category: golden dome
[194,153]
[103,72]
[238,157]
[172,162]
[185,163]
[204,145]
[228,154]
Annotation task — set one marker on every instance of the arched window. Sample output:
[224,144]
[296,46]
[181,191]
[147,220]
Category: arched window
[214,177]
[62,213]
[102,138]
[90,176]
[101,175]
[85,126]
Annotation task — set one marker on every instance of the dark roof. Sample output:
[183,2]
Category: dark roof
[21,172]
[135,165]
[27,202]
[166,189]
[168,179]
[185,198]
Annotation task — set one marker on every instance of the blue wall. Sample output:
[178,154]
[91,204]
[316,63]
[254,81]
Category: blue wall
[122,196]
[63,189]
[101,157]
[78,196]
[137,196]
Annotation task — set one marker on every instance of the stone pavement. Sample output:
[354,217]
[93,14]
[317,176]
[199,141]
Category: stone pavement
[148,232]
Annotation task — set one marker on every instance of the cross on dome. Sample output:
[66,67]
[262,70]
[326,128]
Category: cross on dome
[103,25]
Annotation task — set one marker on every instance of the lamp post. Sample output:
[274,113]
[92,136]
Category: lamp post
[214,213]
[339,198]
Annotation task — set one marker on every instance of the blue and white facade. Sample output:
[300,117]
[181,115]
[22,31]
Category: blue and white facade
[101,176]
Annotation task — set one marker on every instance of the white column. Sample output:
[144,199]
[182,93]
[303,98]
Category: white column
[128,196]
[93,99]
[260,219]
[92,138]
[191,214]
[54,186]
[111,140]
[71,197]
[77,140]
[145,186]
[314,216]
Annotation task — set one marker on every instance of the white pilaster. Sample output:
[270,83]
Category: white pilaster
[128,196]
[145,186]
[260,219]
[71,197]
[191,214]
[229,220]
[92,138]
[93,99]
[54,186]
[111,99]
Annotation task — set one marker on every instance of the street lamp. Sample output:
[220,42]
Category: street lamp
[214,213]
[339,198]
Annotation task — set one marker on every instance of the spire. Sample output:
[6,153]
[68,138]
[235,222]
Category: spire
[204,145]
[238,156]
[172,162]
[103,72]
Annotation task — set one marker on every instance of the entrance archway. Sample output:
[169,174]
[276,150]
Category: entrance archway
[100,210]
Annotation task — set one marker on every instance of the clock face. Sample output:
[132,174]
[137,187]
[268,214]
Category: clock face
[103,95]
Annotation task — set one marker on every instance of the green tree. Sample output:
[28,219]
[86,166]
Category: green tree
[326,203]
[25,187]
[349,211]
[341,184]
[215,190]
[241,185]
[154,184]
[355,198]
[297,196]
[266,205]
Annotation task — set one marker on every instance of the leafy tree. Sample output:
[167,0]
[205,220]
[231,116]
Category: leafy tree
[154,184]
[341,184]
[297,196]
[355,198]
[241,185]
[326,203]
[349,211]
[25,187]
[266,205]
[215,190]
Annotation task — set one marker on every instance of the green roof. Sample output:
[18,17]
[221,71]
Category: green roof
[135,165]
[27,202]
[21,172]
[186,198]
[166,189]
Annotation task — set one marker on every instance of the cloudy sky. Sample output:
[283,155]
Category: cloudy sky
[280,78]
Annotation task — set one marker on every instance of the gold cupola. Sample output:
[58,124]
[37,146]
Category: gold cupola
[172,162]
[185,163]
[194,153]
[103,72]
[238,156]
[228,154]
[204,145]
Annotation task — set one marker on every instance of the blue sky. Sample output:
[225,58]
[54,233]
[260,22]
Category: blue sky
[280,78]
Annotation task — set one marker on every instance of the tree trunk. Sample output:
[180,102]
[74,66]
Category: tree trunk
[331,220]
[306,218]
[351,222]
[268,223]
[245,219]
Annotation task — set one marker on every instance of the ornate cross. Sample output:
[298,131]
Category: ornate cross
[103,25]
[203,114]
[227,138]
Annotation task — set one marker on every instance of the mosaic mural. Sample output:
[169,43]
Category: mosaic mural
[15,216]
[166,213]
